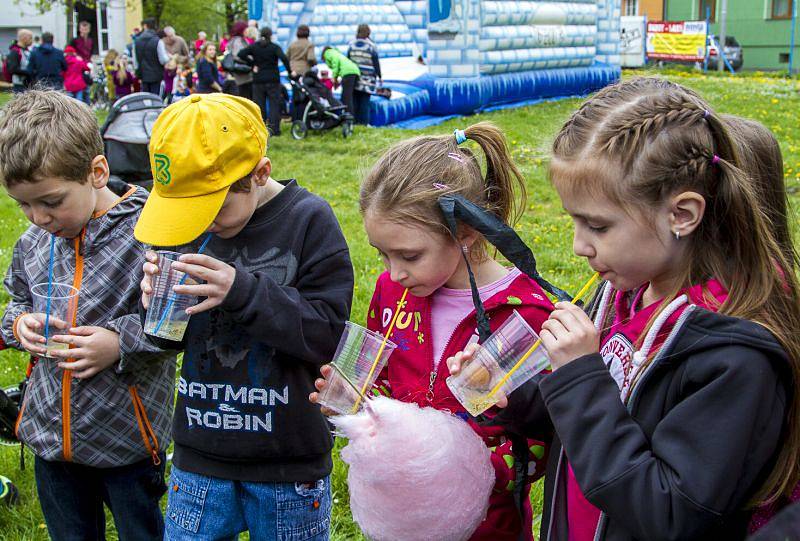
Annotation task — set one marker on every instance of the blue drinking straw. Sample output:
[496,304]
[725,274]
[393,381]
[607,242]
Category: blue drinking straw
[174,295]
[49,286]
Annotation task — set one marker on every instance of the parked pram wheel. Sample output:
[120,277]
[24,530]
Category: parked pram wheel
[299,129]
[347,128]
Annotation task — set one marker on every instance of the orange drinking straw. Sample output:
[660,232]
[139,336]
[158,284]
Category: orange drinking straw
[380,351]
[536,344]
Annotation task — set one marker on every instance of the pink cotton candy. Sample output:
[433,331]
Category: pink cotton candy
[416,474]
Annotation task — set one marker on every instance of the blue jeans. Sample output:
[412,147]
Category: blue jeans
[202,507]
[79,95]
[72,497]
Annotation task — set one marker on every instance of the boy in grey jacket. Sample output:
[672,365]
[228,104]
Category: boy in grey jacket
[97,415]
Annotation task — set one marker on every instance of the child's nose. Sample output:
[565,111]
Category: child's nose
[582,248]
[396,273]
[40,217]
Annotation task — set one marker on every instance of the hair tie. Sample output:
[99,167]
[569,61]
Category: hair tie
[715,160]
[706,113]
[439,186]
[460,136]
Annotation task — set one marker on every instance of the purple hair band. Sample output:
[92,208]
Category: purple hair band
[439,186]
[715,160]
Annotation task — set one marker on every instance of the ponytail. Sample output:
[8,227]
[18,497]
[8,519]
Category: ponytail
[408,180]
[505,186]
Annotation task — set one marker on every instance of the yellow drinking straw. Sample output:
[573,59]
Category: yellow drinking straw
[380,351]
[536,344]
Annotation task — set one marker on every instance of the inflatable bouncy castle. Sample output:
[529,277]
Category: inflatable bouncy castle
[453,57]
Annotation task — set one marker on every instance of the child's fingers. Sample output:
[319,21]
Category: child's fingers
[195,271]
[549,342]
[86,374]
[566,318]
[198,290]
[320,385]
[326,370]
[31,340]
[149,270]
[202,260]
[76,366]
[151,256]
[454,364]
[74,353]
[556,329]
[207,304]
[76,341]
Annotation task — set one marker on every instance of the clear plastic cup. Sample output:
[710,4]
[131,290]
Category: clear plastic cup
[58,308]
[353,368]
[166,316]
[494,359]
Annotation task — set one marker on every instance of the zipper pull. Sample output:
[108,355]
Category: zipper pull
[429,396]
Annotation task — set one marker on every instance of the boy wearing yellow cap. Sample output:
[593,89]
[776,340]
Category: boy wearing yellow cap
[251,453]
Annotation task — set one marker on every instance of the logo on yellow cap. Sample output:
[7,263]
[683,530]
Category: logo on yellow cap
[162,175]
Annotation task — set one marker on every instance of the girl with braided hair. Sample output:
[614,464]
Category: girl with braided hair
[676,409]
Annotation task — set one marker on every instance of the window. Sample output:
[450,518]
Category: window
[629,7]
[782,9]
[708,8]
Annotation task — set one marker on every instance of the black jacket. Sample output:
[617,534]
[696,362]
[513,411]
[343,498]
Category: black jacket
[694,442]
[242,410]
[47,65]
[264,55]
[149,68]
[15,60]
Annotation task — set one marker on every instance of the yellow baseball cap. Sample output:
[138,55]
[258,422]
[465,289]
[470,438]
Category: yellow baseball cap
[198,148]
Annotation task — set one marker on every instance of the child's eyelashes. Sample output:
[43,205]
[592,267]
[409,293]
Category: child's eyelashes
[410,257]
[598,228]
[52,204]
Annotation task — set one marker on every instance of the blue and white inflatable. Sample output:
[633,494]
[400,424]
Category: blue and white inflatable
[478,54]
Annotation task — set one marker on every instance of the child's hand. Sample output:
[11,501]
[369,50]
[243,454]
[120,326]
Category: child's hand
[29,328]
[150,269]
[94,349]
[568,334]
[320,384]
[218,278]
[460,359]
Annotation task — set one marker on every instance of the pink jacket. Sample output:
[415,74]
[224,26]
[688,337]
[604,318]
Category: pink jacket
[409,377]
[73,77]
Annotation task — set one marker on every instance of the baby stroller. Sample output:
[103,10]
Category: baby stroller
[126,134]
[321,110]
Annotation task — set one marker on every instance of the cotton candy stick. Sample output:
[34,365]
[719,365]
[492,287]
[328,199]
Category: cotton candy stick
[536,344]
[380,351]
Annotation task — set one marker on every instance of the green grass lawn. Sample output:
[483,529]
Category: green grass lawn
[332,167]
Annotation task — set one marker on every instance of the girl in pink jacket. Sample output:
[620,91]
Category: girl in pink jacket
[399,204]
[74,83]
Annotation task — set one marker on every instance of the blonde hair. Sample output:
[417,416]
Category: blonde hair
[110,58]
[47,134]
[407,181]
[251,32]
[639,142]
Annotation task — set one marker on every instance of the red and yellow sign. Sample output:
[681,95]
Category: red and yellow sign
[683,41]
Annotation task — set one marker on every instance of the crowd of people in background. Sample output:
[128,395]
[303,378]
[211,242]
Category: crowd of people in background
[244,62]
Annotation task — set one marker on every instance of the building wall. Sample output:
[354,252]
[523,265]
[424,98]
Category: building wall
[653,9]
[762,39]
[25,15]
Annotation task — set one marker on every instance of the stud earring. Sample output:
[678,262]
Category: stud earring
[677,235]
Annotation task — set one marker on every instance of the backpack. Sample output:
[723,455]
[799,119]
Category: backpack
[7,75]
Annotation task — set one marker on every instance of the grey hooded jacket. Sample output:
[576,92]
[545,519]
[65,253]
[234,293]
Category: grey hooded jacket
[122,414]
